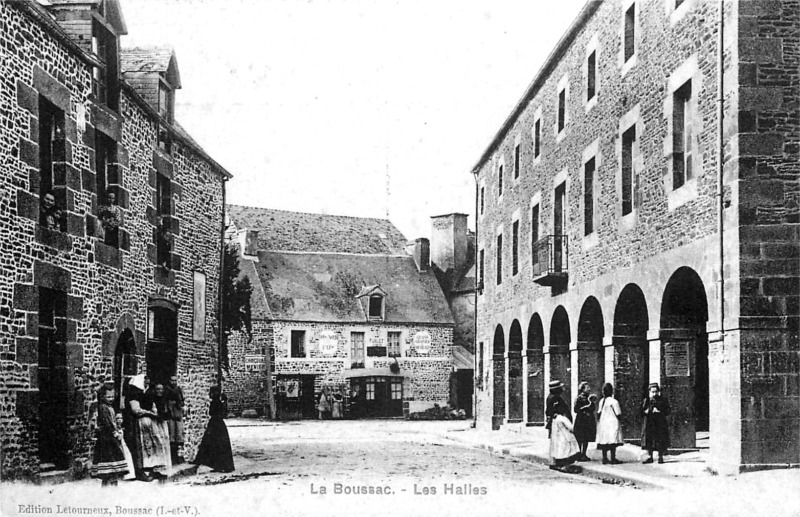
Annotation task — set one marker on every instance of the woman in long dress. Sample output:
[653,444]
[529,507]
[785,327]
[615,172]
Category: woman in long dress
[563,446]
[609,432]
[215,448]
[152,445]
[108,461]
[585,423]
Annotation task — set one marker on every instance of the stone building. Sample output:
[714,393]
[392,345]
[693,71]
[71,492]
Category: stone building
[638,222]
[110,230]
[337,303]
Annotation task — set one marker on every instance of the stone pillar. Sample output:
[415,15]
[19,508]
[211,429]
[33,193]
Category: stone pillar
[515,390]
[498,390]
[729,408]
[677,375]
[535,387]
[559,362]
[588,365]
[654,347]
[608,360]
[630,381]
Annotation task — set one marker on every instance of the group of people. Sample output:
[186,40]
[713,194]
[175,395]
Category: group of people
[145,440]
[329,404]
[599,421]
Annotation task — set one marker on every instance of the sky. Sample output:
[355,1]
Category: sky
[365,108]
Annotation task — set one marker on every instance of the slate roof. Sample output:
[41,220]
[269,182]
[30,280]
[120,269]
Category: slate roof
[149,59]
[282,230]
[322,287]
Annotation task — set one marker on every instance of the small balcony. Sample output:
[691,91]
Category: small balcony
[550,260]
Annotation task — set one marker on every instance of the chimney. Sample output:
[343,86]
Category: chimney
[248,244]
[449,241]
[422,254]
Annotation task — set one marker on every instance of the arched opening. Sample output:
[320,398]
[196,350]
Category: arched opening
[126,365]
[588,359]
[515,373]
[684,356]
[498,378]
[560,368]
[631,357]
[535,358]
[162,341]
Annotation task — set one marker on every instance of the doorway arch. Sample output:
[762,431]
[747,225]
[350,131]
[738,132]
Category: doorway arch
[515,372]
[631,357]
[684,355]
[560,336]
[589,360]
[535,359]
[126,365]
[498,377]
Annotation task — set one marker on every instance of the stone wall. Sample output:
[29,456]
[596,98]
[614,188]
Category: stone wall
[107,289]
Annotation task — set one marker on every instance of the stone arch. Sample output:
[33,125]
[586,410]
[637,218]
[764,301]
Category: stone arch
[534,356]
[560,337]
[515,395]
[684,355]
[631,357]
[126,365]
[588,360]
[498,377]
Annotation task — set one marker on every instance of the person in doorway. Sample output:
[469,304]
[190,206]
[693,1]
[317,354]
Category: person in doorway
[564,448]
[655,430]
[131,474]
[215,447]
[337,404]
[152,453]
[175,402]
[585,422]
[609,432]
[324,404]
[108,463]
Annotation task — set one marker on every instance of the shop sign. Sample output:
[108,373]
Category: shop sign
[422,342]
[328,342]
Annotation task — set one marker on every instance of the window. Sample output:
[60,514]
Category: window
[164,139]
[104,83]
[164,100]
[535,233]
[682,136]
[516,161]
[559,220]
[397,390]
[52,148]
[591,75]
[500,180]
[357,349]
[562,109]
[370,385]
[480,269]
[376,306]
[537,138]
[588,197]
[500,259]
[628,139]
[483,199]
[393,344]
[515,248]
[479,380]
[163,231]
[298,343]
[108,211]
[630,20]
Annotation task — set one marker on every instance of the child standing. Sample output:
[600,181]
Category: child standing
[609,434]
[125,451]
[108,461]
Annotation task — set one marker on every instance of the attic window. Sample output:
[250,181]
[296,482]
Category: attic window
[376,306]
[165,100]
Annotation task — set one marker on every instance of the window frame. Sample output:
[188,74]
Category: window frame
[499,258]
[297,348]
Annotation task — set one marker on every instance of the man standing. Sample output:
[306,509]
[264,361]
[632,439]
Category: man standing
[175,401]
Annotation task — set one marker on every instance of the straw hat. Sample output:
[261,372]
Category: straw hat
[556,385]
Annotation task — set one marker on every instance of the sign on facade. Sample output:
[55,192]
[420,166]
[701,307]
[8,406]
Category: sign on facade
[328,342]
[422,342]
[254,363]
[676,359]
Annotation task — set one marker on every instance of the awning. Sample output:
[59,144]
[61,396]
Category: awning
[463,359]
[370,372]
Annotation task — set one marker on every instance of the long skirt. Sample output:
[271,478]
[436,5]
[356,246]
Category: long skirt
[215,448]
[609,433]
[128,461]
[337,409]
[108,459]
[175,431]
[153,444]
[562,442]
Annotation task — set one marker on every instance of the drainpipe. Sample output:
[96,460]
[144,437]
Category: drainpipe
[221,282]
[475,364]
[720,170]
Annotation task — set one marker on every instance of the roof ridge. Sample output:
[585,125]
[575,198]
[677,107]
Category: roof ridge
[342,253]
[311,213]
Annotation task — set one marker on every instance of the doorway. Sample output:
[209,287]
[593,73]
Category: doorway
[162,342]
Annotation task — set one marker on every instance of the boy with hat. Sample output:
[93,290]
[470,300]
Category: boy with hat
[655,431]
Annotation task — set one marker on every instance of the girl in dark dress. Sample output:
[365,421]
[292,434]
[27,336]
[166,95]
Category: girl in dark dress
[108,461]
[585,423]
[215,448]
[655,431]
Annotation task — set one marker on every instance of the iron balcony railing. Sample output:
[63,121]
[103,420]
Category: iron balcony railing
[550,259]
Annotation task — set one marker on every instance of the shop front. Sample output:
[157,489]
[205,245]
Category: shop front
[375,393]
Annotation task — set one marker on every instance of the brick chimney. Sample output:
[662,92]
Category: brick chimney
[422,254]
[449,242]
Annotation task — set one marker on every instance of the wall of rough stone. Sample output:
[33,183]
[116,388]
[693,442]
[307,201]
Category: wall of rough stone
[426,376]
[246,380]
[108,289]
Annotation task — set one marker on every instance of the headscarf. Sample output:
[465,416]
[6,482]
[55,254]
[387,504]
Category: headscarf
[137,381]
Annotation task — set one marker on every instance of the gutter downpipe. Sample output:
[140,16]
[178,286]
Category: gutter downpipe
[220,337]
[721,171]
[476,374]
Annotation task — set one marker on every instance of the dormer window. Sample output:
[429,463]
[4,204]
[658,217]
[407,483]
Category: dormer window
[104,78]
[165,100]
[376,307]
